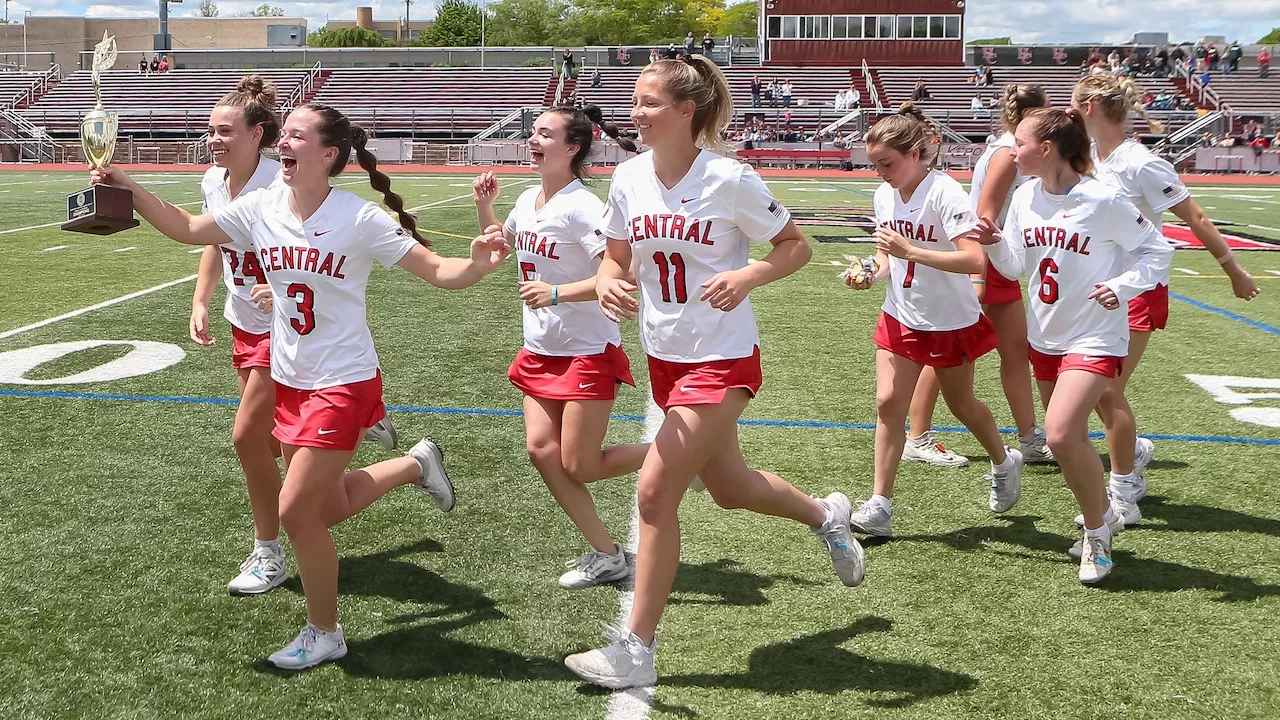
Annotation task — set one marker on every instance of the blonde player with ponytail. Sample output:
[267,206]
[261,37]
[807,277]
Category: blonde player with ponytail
[927,249]
[684,218]
[1151,184]
[317,244]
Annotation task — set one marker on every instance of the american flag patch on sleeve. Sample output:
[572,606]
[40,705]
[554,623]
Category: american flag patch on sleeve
[1174,189]
[775,208]
[598,233]
[1142,221]
[964,216]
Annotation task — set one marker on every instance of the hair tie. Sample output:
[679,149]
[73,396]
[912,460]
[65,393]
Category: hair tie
[1070,112]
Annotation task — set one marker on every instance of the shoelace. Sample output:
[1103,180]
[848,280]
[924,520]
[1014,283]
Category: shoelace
[1094,548]
[584,562]
[307,639]
[259,555]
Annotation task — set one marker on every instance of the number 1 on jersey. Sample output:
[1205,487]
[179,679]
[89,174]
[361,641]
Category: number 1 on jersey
[911,274]
[665,277]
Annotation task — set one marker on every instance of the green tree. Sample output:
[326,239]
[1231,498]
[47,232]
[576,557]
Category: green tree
[266,10]
[208,9]
[1271,38]
[642,22]
[345,37]
[457,24]
[530,22]
[741,19]
[991,41]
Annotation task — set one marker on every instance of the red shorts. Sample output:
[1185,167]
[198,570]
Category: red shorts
[702,383]
[1149,311]
[1047,367]
[571,377]
[1000,289]
[940,349]
[333,418]
[249,350]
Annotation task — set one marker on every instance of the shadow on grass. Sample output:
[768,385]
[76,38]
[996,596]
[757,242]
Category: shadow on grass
[817,663]
[726,584]
[1202,518]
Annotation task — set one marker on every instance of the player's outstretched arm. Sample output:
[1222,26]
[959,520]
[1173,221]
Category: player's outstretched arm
[1207,233]
[487,252]
[171,220]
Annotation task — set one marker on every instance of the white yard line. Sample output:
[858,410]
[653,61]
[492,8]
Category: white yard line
[55,248]
[125,249]
[1274,272]
[31,227]
[518,183]
[98,306]
[1185,271]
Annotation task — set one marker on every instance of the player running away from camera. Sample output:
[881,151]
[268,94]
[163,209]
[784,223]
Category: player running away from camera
[1151,184]
[994,180]
[926,243]
[684,217]
[242,124]
[316,244]
[1087,251]
[572,360]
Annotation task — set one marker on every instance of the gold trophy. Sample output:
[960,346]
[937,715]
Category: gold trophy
[100,209]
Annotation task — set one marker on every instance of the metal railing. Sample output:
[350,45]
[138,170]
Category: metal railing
[44,146]
[845,120]
[559,88]
[196,152]
[871,85]
[299,92]
[497,126]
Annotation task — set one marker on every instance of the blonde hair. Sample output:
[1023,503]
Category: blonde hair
[908,130]
[698,79]
[1065,129]
[1017,100]
[1115,95]
[256,97]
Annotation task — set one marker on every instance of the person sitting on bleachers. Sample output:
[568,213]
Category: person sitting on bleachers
[854,97]
[155,63]
[841,102]
[142,66]
[596,79]
[976,106]
[654,55]
[164,64]
[1264,62]
[920,92]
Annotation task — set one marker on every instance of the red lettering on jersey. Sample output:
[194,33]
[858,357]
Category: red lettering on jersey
[541,249]
[313,257]
[650,226]
[1073,244]
[1056,237]
[695,228]
[677,226]
[1084,246]
[337,271]
[635,229]
[706,234]
[326,267]
[286,258]
[551,252]
[275,258]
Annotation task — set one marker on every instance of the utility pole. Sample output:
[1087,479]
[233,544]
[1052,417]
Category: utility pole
[406,20]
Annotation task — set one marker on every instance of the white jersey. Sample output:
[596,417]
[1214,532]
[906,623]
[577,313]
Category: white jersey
[240,270]
[1144,179]
[679,239]
[1067,244]
[921,297]
[558,244]
[1004,144]
[318,270]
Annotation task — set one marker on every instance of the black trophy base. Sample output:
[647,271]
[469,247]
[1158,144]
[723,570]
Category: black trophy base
[100,210]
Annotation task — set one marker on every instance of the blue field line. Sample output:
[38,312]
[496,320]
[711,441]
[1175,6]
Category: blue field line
[493,412]
[1227,314]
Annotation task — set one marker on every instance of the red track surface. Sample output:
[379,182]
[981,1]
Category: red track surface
[1205,179]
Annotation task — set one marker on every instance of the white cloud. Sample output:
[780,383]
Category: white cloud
[1115,21]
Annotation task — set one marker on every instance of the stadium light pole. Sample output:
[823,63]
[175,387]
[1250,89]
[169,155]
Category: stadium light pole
[484,7]
[26,15]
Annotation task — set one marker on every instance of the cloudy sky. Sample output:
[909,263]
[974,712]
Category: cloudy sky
[1025,20]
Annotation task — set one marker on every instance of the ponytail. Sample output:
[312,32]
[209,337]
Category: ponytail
[1017,100]
[597,118]
[382,183]
[1065,129]
[577,131]
[909,130]
[1116,96]
[696,78]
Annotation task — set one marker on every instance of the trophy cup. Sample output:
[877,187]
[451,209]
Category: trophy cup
[860,269]
[100,209]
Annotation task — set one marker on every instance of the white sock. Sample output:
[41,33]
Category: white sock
[1006,465]
[1118,479]
[1102,532]
[1109,517]
[917,440]
[1035,433]
[881,502]
[273,545]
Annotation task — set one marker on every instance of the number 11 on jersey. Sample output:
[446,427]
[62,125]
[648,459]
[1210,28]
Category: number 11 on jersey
[671,280]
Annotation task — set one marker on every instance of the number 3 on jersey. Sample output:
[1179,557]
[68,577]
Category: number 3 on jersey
[305,299]
[671,280]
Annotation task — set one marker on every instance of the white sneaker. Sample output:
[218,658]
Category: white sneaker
[433,479]
[1095,562]
[1144,451]
[624,663]
[384,434]
[927,449]
[312,647]
[260,572]
[847,556]
[1116,525]
[1128,513]
[1036,449]
[871,519]
[1006,487]
[594,568]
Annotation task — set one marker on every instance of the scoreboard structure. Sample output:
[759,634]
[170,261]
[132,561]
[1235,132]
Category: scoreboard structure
[845,32]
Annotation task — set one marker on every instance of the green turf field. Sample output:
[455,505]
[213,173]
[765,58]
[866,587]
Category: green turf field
[123,514]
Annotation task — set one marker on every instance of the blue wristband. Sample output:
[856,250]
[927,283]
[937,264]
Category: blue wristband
[555,294]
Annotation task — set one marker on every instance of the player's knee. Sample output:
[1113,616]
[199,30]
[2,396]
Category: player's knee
[1061,437]
[542,452]
[889,406]
[580,469]
[296,516]
[654,502]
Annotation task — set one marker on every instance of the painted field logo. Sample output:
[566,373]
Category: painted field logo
[145,357]
[1225,389]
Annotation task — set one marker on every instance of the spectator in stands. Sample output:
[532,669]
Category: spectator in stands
[920,92]
[786,120]
[566,60]
[142,65]
[1206,77]
[708,44]
[689,44]
[756,87]
[1113,61]
[1176,55]
[155,63]
[672,53]
[1161,68]
[654,55]
[977,107]
[164,64]
[854,99]
[772,91]
[841,102]
[786,94]
[596,79]
[1264,62]
[1234,53]
[1213,57]
[1200,53]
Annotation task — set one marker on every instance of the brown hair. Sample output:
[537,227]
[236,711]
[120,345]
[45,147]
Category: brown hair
[908,130]
[256,98]
[1065,129]
[1115,95]
[696,78]
[337,131]
[1018,99]
[577,131]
